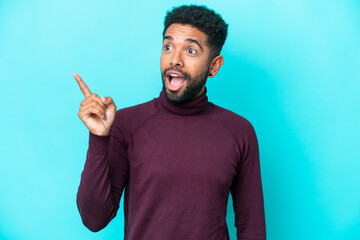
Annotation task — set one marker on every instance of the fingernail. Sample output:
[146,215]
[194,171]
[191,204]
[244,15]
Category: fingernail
[104,99]
[102,115]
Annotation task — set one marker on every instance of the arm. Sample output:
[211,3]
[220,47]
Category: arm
[247,194]
[106,169]
[103,179]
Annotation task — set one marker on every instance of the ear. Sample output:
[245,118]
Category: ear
[215,65]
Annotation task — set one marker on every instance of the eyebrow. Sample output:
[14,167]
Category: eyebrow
[187,40]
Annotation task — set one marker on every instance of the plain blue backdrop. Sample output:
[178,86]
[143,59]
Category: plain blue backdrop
[291,68]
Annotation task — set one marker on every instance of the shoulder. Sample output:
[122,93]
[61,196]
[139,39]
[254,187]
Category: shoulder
[233,121]
[136,110]
[130,118]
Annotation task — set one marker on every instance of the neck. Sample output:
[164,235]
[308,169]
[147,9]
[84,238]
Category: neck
[200,93]
[198,105]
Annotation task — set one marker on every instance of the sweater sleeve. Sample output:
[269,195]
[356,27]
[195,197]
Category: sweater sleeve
[247,194]
[100,190]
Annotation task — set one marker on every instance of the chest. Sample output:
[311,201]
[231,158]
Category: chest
[171,150]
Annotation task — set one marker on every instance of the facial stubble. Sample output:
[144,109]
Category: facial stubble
[192,88]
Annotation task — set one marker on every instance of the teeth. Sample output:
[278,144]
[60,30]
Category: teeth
[174,75]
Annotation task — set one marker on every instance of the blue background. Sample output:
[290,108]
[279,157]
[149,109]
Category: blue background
[291,68]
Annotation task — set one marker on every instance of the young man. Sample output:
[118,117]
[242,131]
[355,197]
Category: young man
[177,156]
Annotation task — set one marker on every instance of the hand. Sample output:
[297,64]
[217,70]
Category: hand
[97,113]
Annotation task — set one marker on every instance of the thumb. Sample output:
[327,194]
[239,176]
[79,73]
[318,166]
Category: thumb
[108,101]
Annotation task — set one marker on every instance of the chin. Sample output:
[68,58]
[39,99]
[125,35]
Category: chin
[174,96]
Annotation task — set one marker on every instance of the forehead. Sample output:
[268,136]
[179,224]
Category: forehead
[180,32]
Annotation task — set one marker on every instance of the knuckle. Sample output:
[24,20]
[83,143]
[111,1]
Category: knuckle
[94,109]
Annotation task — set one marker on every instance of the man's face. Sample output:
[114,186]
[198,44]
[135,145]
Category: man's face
[184,62]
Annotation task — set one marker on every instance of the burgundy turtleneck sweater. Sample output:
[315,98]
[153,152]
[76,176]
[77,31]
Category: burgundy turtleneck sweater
[177,163]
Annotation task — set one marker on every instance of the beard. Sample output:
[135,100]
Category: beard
[192,88]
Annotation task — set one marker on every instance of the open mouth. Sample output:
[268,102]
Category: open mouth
[175,80]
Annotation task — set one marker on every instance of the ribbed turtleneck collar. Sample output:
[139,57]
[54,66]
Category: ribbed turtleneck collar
[199,105]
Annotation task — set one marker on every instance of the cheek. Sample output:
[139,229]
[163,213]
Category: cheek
[163,61]
[196,67]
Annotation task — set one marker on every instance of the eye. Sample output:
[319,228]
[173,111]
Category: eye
[167,47]
[191,51]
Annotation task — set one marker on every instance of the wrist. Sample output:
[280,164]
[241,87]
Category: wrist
[103,134]
[98,143]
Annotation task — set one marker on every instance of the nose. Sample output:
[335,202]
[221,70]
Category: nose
[176,59]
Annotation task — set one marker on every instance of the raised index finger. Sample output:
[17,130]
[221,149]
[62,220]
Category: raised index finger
[84,88]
